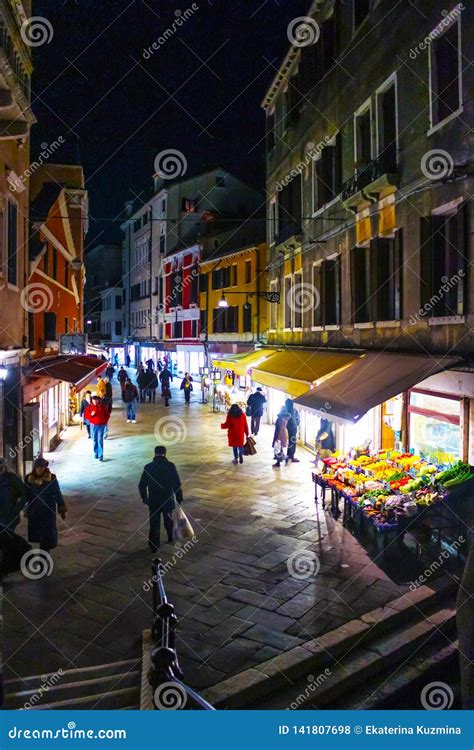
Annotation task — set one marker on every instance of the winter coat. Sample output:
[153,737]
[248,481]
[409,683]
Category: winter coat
[281,431]
[44,499]
[256,402]
[108,391]
[84,404]
[12,499]
[130,393]
[166,377]
[142,379]
[97,415]
[122,376]
[110,371]
[293,423]
[186,384]
[160,485]
[100,389]
[151,380]
[237,430]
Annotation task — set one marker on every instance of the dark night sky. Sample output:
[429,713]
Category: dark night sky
[92,81]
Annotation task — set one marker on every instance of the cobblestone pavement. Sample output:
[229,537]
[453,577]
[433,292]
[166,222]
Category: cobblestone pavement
[247,589]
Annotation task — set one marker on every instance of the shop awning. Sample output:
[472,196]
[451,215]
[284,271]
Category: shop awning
[293,371]
[372,379]
[77,370]
[240,363]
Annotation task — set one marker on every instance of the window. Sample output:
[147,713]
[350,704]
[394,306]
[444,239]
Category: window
[317,318]
[203,320]
[288,302]
[248,271]
[273,308]
[330,295]
[203,282]
[363,138]
[194,291]
[194,329]
[361,9]
[360,284]
[225,320]
[289,210]
[296,300]
[162,244]
[386,109]
[443,264]
[445,74]
[31,330]
[386,260]
[118,328]
[137,225]
[221,278]
[327,45]
[270,130]
[176,296]
[46,262]
[49,326]
[189,205]
[66,325]
[178,329]
[12,243]
[118,302]
[55,263]
[74,325]
[233,275]
[163,205]
[247,318]
[272,220]
[220,181]
[434,425]
[327,174]
[144,219]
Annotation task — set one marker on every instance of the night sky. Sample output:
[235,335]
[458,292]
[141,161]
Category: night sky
[199,93]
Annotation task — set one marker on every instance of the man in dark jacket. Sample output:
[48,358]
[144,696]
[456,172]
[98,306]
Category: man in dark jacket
[12,497]
[142,381]
[292,427]
[166,377]
[160,487]
[255,404]
[122,377]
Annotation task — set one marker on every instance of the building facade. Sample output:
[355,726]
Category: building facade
[103,265]
[369,219]
[111,325]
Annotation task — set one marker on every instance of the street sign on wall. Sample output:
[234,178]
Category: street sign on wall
[73,343]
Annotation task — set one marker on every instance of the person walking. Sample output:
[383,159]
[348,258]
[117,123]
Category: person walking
[100,387]
[12,497]
[187,387]
[127,360]
[130,396]
[152,385]
[110,371]
[160,488]
[142,380]
[280,437]
[166,378]
[98,415]
[86,399]
[237,431]
[255,403]
[44,501]
[116,360]
[122,377]
[107,401]
[292,427]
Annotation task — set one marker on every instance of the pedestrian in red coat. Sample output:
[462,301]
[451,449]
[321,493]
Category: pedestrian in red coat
[97,414]
[237,431]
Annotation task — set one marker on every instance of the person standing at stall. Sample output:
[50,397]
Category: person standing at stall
[255,404]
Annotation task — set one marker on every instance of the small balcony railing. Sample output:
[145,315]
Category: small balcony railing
[364,176]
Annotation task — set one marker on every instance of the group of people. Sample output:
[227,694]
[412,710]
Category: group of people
[39,497]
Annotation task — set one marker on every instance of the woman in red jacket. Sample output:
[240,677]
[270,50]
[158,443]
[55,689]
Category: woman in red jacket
[97,414]
[237,431]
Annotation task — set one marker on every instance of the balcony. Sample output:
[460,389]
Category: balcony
[371,179]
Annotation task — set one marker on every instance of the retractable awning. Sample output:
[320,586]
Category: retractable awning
[372,379]
[240,363]
[293,371]
[76,369]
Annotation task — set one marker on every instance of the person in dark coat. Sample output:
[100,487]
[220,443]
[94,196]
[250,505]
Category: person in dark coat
[12,497]
[280,437]
[84,404]
[110,371]
[122,377]
[187,386]
[160,487]
[44,501]
[255,403]
[292,427]
[130,396]
[166,378]
[127,360]
[142,380]
[151,385]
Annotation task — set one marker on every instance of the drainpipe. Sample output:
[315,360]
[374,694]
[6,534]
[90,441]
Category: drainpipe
[258,293]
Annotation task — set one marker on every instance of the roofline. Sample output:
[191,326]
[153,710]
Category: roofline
[232,253]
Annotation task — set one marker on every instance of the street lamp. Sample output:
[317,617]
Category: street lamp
[272,297]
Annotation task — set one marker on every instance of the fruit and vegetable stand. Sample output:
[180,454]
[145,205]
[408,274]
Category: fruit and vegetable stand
[389,494]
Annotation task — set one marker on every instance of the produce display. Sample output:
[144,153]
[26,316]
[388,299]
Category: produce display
[390,485]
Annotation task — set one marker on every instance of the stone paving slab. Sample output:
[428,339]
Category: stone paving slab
[237,598]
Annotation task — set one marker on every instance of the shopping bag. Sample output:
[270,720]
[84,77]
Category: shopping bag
[182,528]
[249,447]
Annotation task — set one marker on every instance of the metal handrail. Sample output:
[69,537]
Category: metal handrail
[164,658]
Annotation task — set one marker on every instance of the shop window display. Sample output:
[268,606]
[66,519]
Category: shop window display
[434,426]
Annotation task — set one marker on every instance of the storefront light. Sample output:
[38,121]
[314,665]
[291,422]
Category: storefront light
[3,373]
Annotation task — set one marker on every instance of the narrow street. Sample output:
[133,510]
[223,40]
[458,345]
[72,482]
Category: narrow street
[241,590]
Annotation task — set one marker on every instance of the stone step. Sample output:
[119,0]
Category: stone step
[37,697]
[326,686]
[72,675]
[312,657]
[115,700]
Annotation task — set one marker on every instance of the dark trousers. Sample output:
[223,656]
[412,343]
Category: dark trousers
[142,394]
[291,446]
[151,394]
[187,395]
[155,523]
[255,424]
